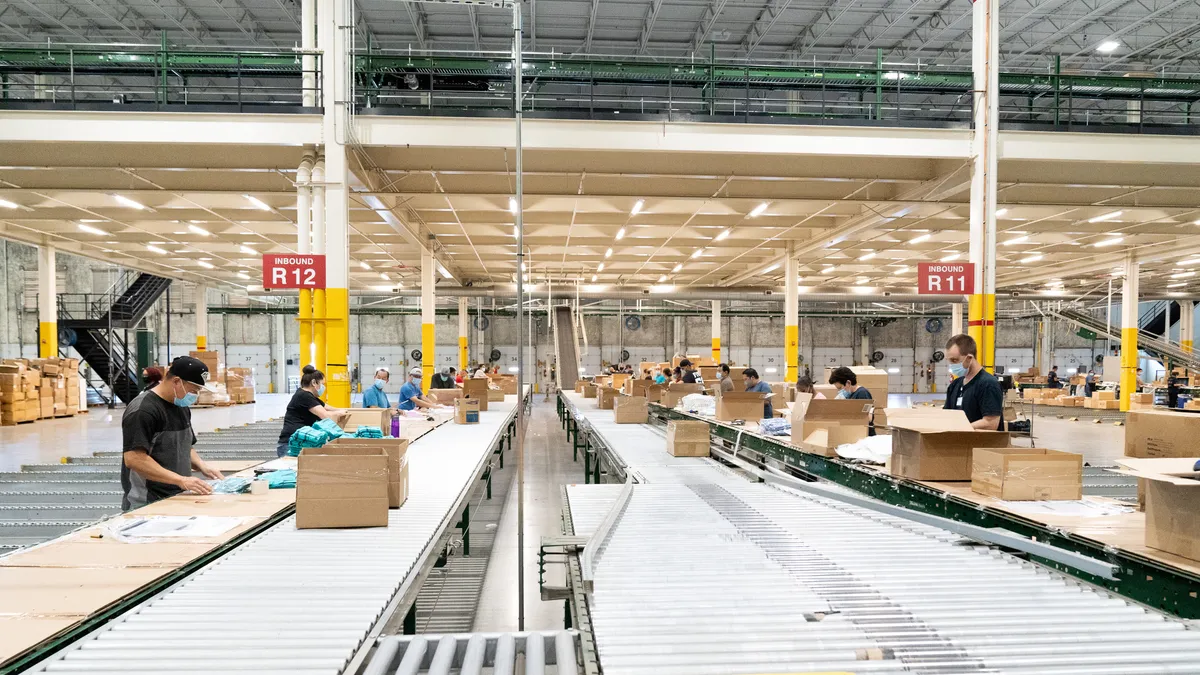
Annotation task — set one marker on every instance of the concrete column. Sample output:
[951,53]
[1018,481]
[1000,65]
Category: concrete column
[335,95]
[304,246]
[308,62]
[47,302]
[791,320]
[1046,345]
[716,331]
[462,334]
[956,311]
[278,354]
[1129,331]
[428,274]
[985,57]
[319,351]
[1187,326]
[202,318]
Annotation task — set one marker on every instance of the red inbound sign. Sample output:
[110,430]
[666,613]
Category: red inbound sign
[293,270]
[945,278]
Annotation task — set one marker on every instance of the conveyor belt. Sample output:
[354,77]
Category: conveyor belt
[298,601]
[551,653]
[725,576]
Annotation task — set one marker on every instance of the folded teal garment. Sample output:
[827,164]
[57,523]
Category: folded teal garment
[306,437]
[283,478]
[368,432]
[330,428]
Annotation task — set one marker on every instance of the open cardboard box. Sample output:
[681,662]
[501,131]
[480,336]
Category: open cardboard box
[606,398]
[820,425]
[477,389]
[677,390]
[936,444]
[1172,490]
[740,405]
[350,420]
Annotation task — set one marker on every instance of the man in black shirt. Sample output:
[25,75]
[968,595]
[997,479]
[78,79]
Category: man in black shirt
[974,391]
[1052,381]
[157,438]
[689,373]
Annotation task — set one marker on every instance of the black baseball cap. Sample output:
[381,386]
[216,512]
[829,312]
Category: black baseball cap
[191,370]
[685,363]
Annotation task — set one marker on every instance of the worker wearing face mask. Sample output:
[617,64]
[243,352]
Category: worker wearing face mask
[974,390]
[374,396]
[157,440]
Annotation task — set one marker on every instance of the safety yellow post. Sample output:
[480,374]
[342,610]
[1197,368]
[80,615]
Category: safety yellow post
[791,319]
[201,318]
[462,335]
[716,331]
[428,271]
[1129,332]
[47,303]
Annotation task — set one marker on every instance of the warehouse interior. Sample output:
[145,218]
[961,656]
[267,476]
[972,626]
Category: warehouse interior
[557,201]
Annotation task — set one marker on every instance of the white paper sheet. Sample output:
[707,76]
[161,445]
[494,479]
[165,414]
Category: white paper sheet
[173,527]
[1082,508]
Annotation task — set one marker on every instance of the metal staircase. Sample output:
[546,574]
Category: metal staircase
[1148,342]
[95,326]
[565,348]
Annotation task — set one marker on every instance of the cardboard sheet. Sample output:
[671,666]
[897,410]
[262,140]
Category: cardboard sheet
[18,633]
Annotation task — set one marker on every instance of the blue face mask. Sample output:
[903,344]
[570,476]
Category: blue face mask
[321,390]
[842,394]
[187,400]
[379,383]
[957,369]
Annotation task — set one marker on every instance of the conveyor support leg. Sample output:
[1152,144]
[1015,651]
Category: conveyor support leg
[465,525]
[410,620]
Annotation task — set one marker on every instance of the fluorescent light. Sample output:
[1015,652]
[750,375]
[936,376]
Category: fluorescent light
[512,205]
[828,270]
[513,369]
[1107,216]
[204,264]
[951,257]
[894,371]
[600,268]
[363,264]
[608,253]
[1183,275]
[593,278]
[243,275]
[155,249]
[1033,258]
[758,210]
[1001,212]
[866,256]
[862,290]
[722,235]
[677,267]
[196,229]
[1178,285]
[699,252]
[662,288]
[126,201]
[384,276]
[1189,263]
[1108,46]
[918,240]
[1109,242]
[444,272]
[258,203]
[863,280]
[903,269]
[770,269]
[1018,240]
[620,234]
[637,207]
[662,278]
[92,230]
[381,288]
[8,205]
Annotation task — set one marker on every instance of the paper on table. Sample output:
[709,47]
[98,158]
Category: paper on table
[148,528]
[1082,508]
[277,464]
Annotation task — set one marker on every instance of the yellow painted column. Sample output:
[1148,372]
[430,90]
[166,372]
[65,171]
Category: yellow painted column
[47,302]
[791,318]
[985,59]
[304,246]
[462,335]
[202,318]
[987,351]
[1129,332]
[428,271]
[337,330]
[1186,324]
[975,318]
[716,331]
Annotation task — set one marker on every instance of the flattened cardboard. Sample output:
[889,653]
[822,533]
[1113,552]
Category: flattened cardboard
[936,444]
[1027,474]
[630,410]
[1161,433]
[820,425]
[688,438]
[740,405]
[342,486]
[350,420]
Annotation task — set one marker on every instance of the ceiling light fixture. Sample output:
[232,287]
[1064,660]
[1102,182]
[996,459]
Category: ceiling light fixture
[1109,242]
[593,278]
[901,270]
[243,275]
[722,236]
[444,272]
[620,234]
[950,258]
[637,207]
[92,230]
[1178,285]
[662,278]
[8,205]
[1108,46]
[196,229]
[1001,212]
[126,201]
[758,210]
[608,253]
[677,267]
[1189,263]
[363,264]
[699,252]
[258,203]
[1107,216]
[828,270]
[866,256]
[206,265]
[512,205]
[918,240]
[1183,275]
[155,249]
[1017,240]
[247,250]
[600,268]
[1032,258]
[770,269]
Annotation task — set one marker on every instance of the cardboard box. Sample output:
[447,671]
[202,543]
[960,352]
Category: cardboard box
[351,419]
[936,444]
[12,396]
[477,389]
[820,425]
[1104,395]
[589,390]
[638,387]
[1171,490]
[11,381]
[494,396]
[1145,397]
[740,405]
[607,398]
[654,393]
[686,438]
[826,390]
[1161,433]
[618,380]
[342,486]
[710,373]
[1027,474]
[466,411]
[446,396]
[579,386]
[676,391]
[785,392]
[630,410]
[396,449]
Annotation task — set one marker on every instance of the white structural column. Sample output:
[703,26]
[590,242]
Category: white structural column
[304,247]
[278,354]
[1187,325]
[956,311]
[318,350]
[333,22]
[47,302]
[716,331]
[791,319]
[428,274]
[985,57]
[463,364]
[202,318]
[308,62]
[1129,331]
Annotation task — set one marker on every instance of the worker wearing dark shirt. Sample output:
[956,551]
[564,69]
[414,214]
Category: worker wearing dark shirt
[974,391]
[689,373]
[846,382]
[1052,381]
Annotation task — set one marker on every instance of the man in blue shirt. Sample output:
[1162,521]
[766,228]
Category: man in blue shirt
[410,394]
[374,396]
[755,384]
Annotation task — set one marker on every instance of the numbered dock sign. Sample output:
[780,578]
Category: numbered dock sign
[945,278]
[293,271]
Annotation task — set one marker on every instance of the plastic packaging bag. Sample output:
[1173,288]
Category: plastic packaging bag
[699,404]
[231,485]
[872,449]
[775,426]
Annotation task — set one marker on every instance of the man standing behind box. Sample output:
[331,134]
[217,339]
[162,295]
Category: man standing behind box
[157,438]
[689,373]
[374,396]
[974,391]
[756,385]
[410,394]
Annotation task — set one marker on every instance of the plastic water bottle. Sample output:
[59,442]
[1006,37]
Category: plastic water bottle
[396,427]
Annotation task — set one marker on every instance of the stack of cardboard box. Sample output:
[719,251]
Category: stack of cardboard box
[1142,401]
[239,384]
[1103,400]
[18,396]
[212,359]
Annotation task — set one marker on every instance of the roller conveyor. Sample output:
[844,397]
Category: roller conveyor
[299,601]
[720,575]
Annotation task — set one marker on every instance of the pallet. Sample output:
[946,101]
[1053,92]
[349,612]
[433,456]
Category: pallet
[13,424]
[71,414]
